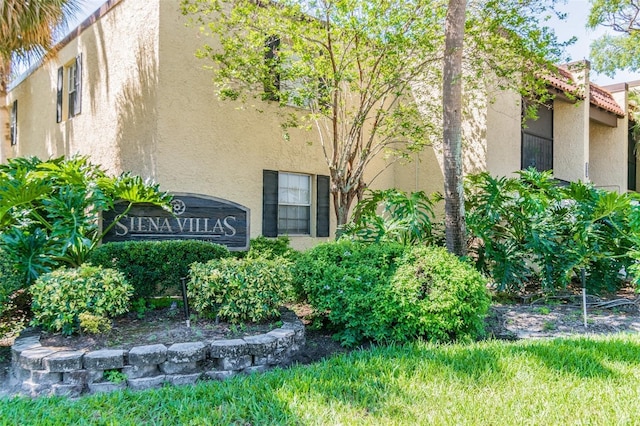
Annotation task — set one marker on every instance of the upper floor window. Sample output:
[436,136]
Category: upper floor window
[69,87]
[537,140]
[13,126]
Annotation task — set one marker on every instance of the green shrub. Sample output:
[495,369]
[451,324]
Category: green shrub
[156,267]
[434,295]
[389,293]
[93,324]
[343,281]
[61,296]
[270,248]
[240,290]
[9,280]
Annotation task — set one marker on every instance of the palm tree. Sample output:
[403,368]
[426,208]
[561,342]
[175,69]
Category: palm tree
[452,120]
[28,30]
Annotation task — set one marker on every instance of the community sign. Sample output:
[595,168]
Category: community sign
[193,216]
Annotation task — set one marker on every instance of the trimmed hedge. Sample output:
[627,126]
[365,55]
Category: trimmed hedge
[155,267]
[240,290]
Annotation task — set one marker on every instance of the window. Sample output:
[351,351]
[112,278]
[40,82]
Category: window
[537,140]
[287,204]
[13,130]
[72,86]
[294,204]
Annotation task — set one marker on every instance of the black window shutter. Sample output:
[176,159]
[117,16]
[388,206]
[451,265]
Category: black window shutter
[269,203]
[322,206]
[59,95]
[77,105]
[14,123]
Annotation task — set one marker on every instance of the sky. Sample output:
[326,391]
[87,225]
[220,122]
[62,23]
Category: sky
[576,10]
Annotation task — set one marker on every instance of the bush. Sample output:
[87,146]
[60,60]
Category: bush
[156,267]
[61,296]
[240,290]
[389,293]
[269,248]
[435,295]
[343,280]
[9,280]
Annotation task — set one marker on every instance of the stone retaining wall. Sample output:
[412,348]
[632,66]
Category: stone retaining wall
[40,370]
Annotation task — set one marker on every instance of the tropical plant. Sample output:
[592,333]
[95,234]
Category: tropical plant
[405,218]
[530,228]
[50,210]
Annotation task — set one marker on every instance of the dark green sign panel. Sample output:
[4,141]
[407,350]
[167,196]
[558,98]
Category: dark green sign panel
[194,216]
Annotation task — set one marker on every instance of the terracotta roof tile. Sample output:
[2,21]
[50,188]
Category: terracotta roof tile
[603,99]
[563,80]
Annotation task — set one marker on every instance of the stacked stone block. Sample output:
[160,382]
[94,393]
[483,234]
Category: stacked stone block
[39,370]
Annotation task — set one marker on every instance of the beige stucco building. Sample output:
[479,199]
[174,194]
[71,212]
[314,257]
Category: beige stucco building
[126,90]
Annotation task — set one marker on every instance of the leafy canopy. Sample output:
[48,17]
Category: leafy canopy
[621,51]
[347,65]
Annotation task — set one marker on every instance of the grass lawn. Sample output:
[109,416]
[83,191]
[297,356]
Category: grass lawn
[547,382]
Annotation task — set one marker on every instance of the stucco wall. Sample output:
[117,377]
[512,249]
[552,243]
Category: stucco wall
[608,152]
[504,134]
[111,63]
[570,140]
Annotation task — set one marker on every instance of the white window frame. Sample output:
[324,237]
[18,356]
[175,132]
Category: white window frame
[298,202]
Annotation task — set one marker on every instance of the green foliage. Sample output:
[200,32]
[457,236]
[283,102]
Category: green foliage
[9,280]
[155,267]
[531,229]
[61,296]
[94,324]
[50,210]
[114,376]
[405,218]
[240,290]
[434,295]
[609,52]
[386,292]
[269,248]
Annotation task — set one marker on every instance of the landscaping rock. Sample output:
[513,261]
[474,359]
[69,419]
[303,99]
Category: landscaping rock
[234,363]
[261,344]
[63,361]
[105,359]
[178,368]
[228,348]
[220,375]
[31,359]
[139,371]
[186,352]
[106,387]
[45,377]
[146,382]
[183,379]
[147,355]
[69,390]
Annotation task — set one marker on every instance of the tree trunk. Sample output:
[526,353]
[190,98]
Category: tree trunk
[5,143]
[455,230]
